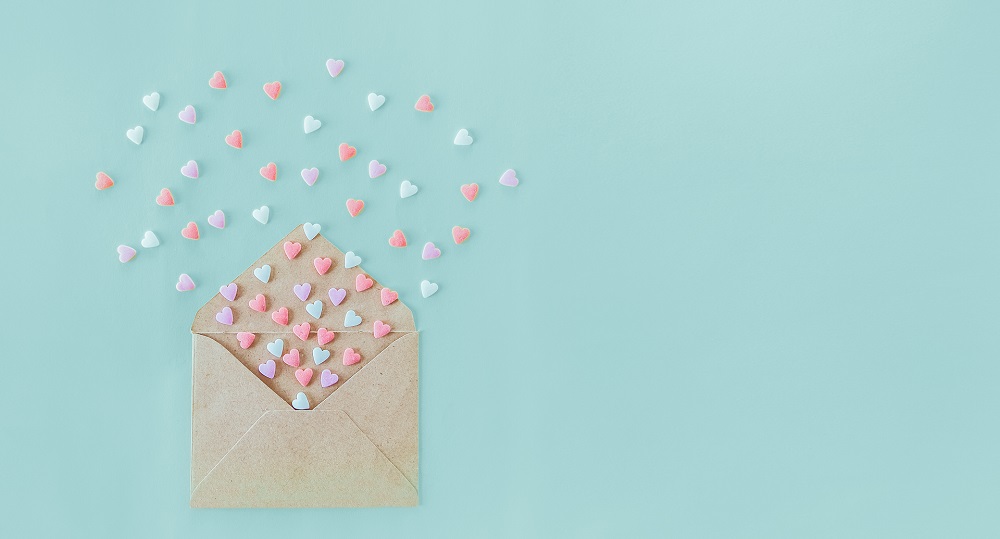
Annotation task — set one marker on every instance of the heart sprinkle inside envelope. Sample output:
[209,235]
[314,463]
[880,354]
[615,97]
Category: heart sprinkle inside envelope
[191,231]
[302,291]
[362,282]
[280,316]
[430,251]
[334,67]
[258,303]
[229,291]
[463,138]
[351,357]
[304,376]
[165,198]
[380,329]
[325,336]
[125,253]
[509,178]
[351,260]
[375,101]
[351,319]
[301,402]
[103,181]
[310,175]
[292,358]
[424,104]
[388,297]
[217,219]
[407,189]
[354,207]
[184,283]
[327,378]
[135,134]
[267,368]
[459,234]
[375,169]
[152,101]
[470,191]
[273,89]
[149,240]
[398,239]
[337,295]
[263,273]
[245,339]
[315,309]
[310,124]
[302,330]
[427,288]
[235,139]
[190,170]
[187,115]
[218,81]
[292,249]
[276,347]
[311,230]
[346,151]
[261,214]
[322,265]
[320,355]
[225,316]
[269,172]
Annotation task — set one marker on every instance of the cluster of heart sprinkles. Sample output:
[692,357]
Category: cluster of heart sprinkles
[269,172]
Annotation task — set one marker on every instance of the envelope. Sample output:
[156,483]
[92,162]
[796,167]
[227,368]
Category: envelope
[356,445]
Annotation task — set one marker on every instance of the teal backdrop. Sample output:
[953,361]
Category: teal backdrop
[747,287]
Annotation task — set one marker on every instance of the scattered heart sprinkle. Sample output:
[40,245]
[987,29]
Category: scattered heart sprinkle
[327,378]
[351,357]
[509,178]
[362,282]
[276,347]
[398,239]
[322,265]
[380,329]
[375,169]
[459,234]
[235,139]
[187,115]
[261,214]
[375,101]
[125,253]
[191,231]
[263,273]
[351,319]
[301,402]
[354,207]
[152,101]
[324,336]
[407,189]
[424,104]
[258,303]
[302,291]
[315,309]
[346,151]
[190,170]
[311,230]
[229,291]
[218,81]
[103,181]
[302,330]
[320,355]
[430,251]
[269,172]
[292,249]
[292,358]
[463,138]
[165,198]
[470,191]
[245,339]
[280,316]
[334,67]
[388,297]
[427,288]
[351,260]
[149,240]
[310,175]
[310,124]
[225,316]
[273,89]
[337,295]
[135,134]
[267,369]
[217,219]
[184,283]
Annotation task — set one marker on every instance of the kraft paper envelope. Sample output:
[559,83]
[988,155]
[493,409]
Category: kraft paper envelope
[357,444]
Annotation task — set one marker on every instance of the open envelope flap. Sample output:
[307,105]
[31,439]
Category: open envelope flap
[304,459]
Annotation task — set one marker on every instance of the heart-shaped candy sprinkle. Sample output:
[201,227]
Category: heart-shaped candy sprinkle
[301,402]
[381,329]
[398,239]
[311,230]
[375,101]
[259,303]
[346,151]
[149,240]
[302,330]
[337,295]
[225,316]
[267,368]
[135,134]
[125,253]
[218,81]
[320,355]
[235,139]
[324,336]
[315,309]
[184,283]
[190,231]
[292,249]
[351,357]
[407,189]
[430,251]
[245,339]
[424,104]
[322,265]
[509,178]
[310,175]
[302,291]
[362,282]
[310,124]
[261,214]
[354,207]
[276,347]
[459,234]
[292,358]
[334,67]
[351,260]
[165,198]
[327,378]
[217,219]
[187,115]
[103,181]
[273,89]
[304,376]
[269,172]
[190,170]
[463,138]
[351,319]
[388,297]
[263,273]
[152,101]
[229,291]
[280,316]
[470,190]
[375,169]
[427,288]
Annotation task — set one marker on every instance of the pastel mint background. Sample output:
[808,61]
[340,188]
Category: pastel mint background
[747,287]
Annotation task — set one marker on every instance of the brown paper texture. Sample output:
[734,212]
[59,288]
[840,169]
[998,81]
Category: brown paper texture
[357,446]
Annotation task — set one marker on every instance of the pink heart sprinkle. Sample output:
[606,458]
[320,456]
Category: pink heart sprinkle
[187,115]
[337,295]
[292,249]
[334,67]
[125,253]
[229,291]
[302,291]
[292,358]
[270,172]
[304,376]
[273,89]
[246,339]
[190,170]
[354,207]
[324,336]
[375,169]
[362,282]
[166,198]
[388,296]
[259,303]
[322,265]
[381,329]
[398,239]
[424,104]
[190,231]
[218,81]
[327,378]
[470,190]
[509,178]
[268,368]
[430,251]
[302,330]
[103,181]
[235,139]
[184,283]
[460,234]
[346,151]
[225,316]
[310,175]
[351,357]
[217,219]
[280,316]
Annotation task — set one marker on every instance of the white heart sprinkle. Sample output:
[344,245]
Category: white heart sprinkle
[463,138]
[262,214]
[427,288]
[149,240]
[152,101]
[375,101]
[310,124]
[135,134]
[351,260]
[407,189]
